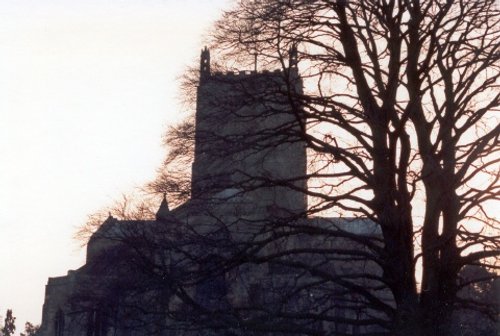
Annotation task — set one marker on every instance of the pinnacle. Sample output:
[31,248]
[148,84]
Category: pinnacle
[164,211]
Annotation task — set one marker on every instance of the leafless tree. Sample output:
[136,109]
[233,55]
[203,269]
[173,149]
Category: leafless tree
[174,176]
[400,101]
[139,205]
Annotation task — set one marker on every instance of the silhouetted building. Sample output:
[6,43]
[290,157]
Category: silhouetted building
[249,179]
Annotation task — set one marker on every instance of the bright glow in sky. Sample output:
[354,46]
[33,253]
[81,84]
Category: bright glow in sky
[87,89]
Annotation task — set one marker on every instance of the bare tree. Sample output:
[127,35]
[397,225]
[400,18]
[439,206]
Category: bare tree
[174,176]
[400,104]
[139,205]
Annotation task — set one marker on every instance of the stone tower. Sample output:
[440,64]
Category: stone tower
[247,137]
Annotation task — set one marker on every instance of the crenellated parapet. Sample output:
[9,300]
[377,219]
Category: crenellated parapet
[206,74]
[243,74]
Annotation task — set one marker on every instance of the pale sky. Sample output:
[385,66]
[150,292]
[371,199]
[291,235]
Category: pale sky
[87,88]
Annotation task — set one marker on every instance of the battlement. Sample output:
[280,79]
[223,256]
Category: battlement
[267,78]
[245,73]
[205,72]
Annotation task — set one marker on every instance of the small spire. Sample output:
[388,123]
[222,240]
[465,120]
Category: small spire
[163,212]
[205,63]
[109,220]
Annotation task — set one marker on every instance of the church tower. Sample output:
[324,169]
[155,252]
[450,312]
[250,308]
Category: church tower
[248,136]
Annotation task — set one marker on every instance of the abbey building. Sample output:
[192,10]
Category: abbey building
[234,259]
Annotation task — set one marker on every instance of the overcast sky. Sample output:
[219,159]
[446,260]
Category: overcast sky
[87,87]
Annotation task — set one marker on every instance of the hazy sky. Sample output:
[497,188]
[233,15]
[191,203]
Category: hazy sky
[87,87]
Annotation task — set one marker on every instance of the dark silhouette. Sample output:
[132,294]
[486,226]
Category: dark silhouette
[375,106]
[9,325]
